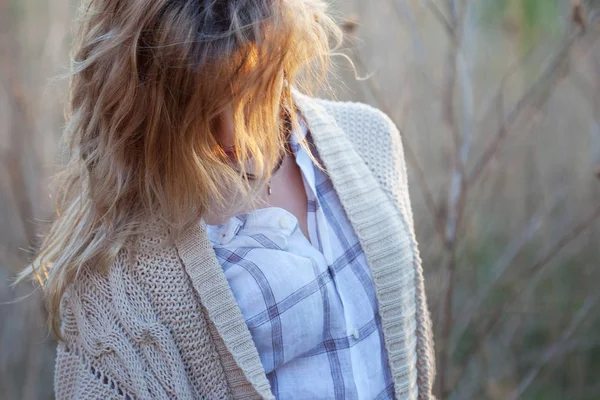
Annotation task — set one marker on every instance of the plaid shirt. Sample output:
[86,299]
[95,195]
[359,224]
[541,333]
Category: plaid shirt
[309,304]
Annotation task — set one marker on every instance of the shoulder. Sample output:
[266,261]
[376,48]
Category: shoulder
[374,136]
[376,139]
[358,119]
[372,132]
[356,115]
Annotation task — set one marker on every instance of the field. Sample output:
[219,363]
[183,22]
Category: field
[498,103]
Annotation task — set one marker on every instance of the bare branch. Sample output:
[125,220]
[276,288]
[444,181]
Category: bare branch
[439,15]
[537,94]
[453,12]
[405,15]
[501,266]
[557,348]
[542,262]
[456,70]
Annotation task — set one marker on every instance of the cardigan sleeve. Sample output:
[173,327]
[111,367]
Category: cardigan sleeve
[76,379]
[113,345]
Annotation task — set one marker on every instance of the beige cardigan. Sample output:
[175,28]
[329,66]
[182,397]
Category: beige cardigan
[163,322]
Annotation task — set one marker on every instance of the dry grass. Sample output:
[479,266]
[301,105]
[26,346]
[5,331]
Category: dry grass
[503,145]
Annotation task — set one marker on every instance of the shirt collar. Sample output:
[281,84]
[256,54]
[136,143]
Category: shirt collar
[223,233]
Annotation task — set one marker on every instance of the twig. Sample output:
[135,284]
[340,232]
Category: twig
[556,348]
[446,318]
[541,263]
[439,15]
[404,15]
[456,67]
[511,70]
[501,266]
[453,12]
[539,91]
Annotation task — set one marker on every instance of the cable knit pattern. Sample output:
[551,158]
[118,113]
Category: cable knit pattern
[163,323]
[139,325]
[178,308]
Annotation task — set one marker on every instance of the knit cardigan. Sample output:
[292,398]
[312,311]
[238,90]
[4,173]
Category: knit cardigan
[162,322]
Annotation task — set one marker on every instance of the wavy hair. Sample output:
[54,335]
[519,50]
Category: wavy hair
[148,79]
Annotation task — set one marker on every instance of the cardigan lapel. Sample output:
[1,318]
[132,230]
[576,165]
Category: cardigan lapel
[384,235]
[209,281]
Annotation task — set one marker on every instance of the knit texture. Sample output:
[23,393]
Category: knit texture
[162,322]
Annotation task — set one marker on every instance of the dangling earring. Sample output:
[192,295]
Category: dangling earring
[286,83]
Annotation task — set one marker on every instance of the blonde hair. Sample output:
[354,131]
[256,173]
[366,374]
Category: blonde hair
[148,79]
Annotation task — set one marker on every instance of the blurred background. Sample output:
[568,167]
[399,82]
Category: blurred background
[498,102]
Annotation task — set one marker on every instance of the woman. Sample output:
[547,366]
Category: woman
[219,234]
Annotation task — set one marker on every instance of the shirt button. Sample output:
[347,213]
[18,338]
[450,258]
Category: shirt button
[285,222]
[355,334]
[223,238]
